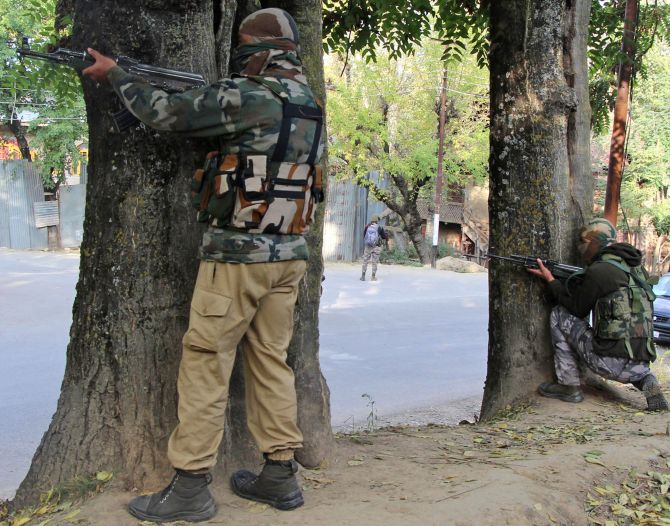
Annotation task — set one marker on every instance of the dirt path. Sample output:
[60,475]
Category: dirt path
[547,464]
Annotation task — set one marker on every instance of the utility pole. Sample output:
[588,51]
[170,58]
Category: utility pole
[617,144]
[440,159]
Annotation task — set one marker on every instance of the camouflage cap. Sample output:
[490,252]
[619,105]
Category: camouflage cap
[267,24]
[595,235]
[601,230]
[375,218]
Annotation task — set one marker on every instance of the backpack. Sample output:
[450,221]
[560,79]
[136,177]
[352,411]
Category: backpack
[627,312]
[372,235]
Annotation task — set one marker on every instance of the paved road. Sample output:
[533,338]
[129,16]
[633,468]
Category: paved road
[414,341]
[36,294]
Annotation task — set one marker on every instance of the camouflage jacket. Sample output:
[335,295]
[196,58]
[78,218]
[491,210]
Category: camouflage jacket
[600,280]
[246,116]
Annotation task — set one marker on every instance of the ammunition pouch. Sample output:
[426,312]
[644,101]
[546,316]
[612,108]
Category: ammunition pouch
[238,191]
[261,195]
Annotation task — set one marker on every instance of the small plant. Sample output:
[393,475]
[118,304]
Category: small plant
[372,415]
[444,250]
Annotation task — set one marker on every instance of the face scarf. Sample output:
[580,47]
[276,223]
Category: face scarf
[253,59]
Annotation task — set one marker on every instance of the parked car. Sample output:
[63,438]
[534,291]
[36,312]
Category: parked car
[662,309]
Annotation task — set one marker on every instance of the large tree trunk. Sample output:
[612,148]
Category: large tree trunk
[313,393]
[138,265]
[541,188]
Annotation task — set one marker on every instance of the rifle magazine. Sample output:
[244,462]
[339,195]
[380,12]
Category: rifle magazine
[124,120]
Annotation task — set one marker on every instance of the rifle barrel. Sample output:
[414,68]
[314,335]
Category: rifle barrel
[531,262]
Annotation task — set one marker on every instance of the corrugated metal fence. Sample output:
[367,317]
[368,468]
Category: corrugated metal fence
[20,187]
[347,212]
[344,217]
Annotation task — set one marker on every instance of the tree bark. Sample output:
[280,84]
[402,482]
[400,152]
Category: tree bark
[138,266]
[540,183]
[413,223]
[14,124]
[618,141]
[313,392]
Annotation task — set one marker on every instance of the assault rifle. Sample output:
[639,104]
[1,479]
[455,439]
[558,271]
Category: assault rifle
[169,80]
[559,270]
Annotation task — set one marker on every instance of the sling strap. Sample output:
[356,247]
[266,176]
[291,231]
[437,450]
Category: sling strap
[292,111]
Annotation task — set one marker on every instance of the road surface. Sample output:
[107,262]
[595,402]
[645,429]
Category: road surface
[414,342]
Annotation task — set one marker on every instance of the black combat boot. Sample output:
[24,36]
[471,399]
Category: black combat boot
[567,393]
[363,276]
[652,392]
[186,498]
[374,277]
[276,485]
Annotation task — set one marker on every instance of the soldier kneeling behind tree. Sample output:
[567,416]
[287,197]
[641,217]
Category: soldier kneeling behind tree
[619,346]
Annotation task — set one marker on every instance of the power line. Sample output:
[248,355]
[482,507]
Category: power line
[14,103]
[476,95]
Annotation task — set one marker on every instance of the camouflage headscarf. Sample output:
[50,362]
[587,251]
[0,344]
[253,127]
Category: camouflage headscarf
[596,235]
[269,24]
[274,48]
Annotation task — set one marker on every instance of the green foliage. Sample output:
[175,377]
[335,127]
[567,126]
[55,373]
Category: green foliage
[383,117]
[605,37]
[646,181]
[48,95]
[30,81]
[400,27]
[409,256]
[56,135]
[399,256]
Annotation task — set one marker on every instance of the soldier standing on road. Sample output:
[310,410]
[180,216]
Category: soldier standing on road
[258,194]
[373,235]
[620,345]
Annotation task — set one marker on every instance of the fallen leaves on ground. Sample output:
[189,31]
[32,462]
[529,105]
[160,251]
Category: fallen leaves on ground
[639,498]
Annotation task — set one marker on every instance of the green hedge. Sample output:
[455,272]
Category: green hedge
[408,256]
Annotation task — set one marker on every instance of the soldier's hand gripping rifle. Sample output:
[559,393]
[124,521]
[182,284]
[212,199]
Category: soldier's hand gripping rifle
[169,80]
[559,270]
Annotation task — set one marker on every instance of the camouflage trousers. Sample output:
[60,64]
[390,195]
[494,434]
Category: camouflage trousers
[573,342]
[371,255]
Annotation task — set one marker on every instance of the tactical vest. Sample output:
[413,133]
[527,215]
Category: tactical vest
[626,313]
[257,194]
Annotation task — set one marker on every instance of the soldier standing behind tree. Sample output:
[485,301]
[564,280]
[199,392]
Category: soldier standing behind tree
[373,235]
[258,195]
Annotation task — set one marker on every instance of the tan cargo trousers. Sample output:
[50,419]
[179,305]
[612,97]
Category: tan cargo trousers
[253,304]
